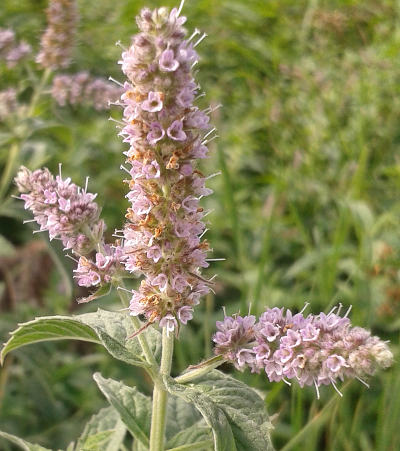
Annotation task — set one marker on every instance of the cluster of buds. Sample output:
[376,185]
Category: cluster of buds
[10,50]
[166,134]
[83,89]
[314,350]
[57,41]
[106,264]
[60,207]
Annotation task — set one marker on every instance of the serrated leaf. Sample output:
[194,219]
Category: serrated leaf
[105,428]
[185,424]
[48,329]
[235,412]
[180,415]
[111,329]
[23,444]
[198,432]
[133,407]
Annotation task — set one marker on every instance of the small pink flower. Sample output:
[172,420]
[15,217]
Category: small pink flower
[167,61]
[175,131]
[185,314]
[170,322]
[153,102]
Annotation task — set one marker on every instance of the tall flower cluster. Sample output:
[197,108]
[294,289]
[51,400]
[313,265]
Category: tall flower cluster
[57,41]
[314,350]
[12,51]
[60,207]
[83,89]
[166,135]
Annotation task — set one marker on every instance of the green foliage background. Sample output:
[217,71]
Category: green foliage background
[306,209]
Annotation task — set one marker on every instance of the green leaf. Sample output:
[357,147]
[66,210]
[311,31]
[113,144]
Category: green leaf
[111,329]
[23,444]
[133,407]
[48,329]
[198,432]
[184,424]
[180,415]
[105,431]
[235,412]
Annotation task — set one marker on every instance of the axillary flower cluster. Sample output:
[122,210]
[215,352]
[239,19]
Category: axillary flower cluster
[314,350]
[166,135]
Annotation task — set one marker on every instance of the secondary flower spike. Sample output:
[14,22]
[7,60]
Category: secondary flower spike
[83,89]
[314,350]
[62,208]
[166,135]
[58,39]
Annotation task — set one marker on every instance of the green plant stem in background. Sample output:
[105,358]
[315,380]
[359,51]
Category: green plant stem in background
[10,168]
[13,155]
[160,395]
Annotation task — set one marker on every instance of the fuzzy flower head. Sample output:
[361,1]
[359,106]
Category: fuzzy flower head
[166,133]
[314,350]
[83,89]
[58,39]
[11,51]
[60,207]
[101,269]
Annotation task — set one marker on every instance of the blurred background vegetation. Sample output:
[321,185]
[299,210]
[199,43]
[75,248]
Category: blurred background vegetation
[306,209]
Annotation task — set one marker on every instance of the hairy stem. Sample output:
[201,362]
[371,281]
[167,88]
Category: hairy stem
[160,395]
[201,369]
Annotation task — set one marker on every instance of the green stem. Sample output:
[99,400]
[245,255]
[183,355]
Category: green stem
[160,395]
[201,369]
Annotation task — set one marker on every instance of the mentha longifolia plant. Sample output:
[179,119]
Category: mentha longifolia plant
[162,240]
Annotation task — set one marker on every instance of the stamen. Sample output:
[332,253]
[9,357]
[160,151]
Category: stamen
[286,382]
[126,170]
[316,387]
[124,289]
[305,306]
[348,311]
[119,44]
[28,220]
[200,39]
[206,141]
[213,175]
[72,258]
[363,382]
[195,33]
[335,387]
[180,8]
[115,81]
[215,259]
[209,133]
[200,95]
[115,120]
